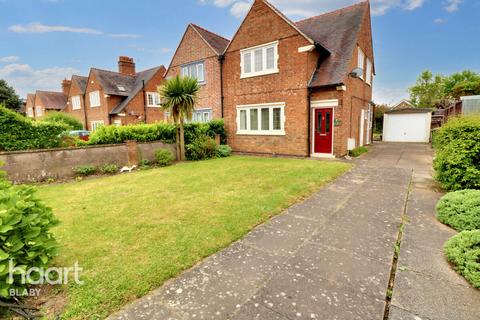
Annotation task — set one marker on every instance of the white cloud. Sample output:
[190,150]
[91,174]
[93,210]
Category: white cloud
[452,5]
[36,27]
[25,79]
[439,21]
[123,35]
[9,59]
[389,96]
[240,9]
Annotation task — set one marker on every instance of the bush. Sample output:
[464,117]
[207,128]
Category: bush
[85,170]
[457,162]
[20,133]
[164,157]
[460,210]
[463,251]
[357,152]
[204,147]
[145,163]
[64,119]
[224,151]
[25,233]
[109,168]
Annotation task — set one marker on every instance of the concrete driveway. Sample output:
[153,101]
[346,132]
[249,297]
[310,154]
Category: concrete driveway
[331,256]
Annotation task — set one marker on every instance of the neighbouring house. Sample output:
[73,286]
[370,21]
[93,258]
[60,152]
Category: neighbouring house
[403,104]
[123,97]
[48,101]
[76,99]
[30,105]
[199,55]
[299,88]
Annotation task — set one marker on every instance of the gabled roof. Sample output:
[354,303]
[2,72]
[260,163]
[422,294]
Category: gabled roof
[337,31]
[52,100]
[114,83]
[136,86]
[30,99]
[215,41]
[81,82]
[403,101]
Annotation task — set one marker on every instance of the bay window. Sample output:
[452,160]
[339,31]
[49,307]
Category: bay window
[263,119]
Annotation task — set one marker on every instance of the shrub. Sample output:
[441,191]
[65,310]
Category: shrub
[20,133]
[109,168]
[145,163]
[457,162]
[463,251]
[64,119]
[85,170]
[25,233]
[224,151]
[357,152]
[460,210]
[164,157]
[204,147]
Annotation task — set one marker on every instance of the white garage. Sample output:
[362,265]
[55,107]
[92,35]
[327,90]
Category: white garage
[407,125]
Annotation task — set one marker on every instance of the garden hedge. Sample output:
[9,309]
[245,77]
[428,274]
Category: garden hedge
[20,133]
[64,119]
[460,210]
[457,162]
[463,251]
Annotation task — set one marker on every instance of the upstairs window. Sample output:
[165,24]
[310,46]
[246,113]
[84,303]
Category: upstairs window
[361,61]
[260,60]
[76,103]
[153,99]
[369,72]
[94,99]
[194,70]
[264,119]
[38,111]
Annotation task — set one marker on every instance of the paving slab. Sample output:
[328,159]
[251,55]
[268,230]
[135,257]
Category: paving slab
[400,314]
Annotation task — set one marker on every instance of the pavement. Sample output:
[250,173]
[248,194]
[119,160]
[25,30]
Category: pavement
[331,256]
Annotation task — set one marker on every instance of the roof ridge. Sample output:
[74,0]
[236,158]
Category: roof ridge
[211,32]
[358,4]
[157,67]
[103,70]
[45,91]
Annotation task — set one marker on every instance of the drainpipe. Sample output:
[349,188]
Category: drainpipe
[144,100]
[85,111]
[221,59]
[309,126]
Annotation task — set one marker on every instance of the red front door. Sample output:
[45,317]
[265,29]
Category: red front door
[322,139]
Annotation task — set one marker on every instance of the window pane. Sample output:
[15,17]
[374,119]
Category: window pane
[319,122]
[243,119]
[193,71]
[258,60]
[184,71]
[271,58]
[150,99]
[200,74]
[253,119]
[277,119]
[265,119]
[247,62]
[327,122]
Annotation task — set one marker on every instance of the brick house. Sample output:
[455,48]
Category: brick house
[45,102]
[299,88]
[123,97]
[199,56]
[30,105]
[76,99]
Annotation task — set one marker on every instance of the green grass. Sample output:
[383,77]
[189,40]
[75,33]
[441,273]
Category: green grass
[357,152]
[132,232]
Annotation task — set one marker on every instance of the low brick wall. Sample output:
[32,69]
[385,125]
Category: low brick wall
[40,165]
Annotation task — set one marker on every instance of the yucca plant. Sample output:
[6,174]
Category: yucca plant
[179,96]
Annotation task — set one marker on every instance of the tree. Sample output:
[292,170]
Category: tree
[65,119]
[9,97]
[460,84]
[428,91]
[179,96]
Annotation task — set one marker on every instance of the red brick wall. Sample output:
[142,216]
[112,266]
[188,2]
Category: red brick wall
[80,113]
[96,113]
[262,26]
[193,48]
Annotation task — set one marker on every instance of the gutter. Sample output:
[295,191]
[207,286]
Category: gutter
[144,100]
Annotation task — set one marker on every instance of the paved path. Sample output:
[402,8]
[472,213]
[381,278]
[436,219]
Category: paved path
[328,257]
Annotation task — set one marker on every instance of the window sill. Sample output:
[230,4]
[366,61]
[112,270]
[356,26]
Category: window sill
[94,106]
[152,106]
[260,133]
[258,74]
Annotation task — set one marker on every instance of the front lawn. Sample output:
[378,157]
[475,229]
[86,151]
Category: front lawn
[132,232]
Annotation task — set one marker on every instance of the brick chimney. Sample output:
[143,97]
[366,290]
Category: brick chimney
[126,65]
[66,84]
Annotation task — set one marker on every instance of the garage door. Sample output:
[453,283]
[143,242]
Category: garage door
[409,127]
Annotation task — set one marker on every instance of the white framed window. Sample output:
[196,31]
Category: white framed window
[96,124]
[117,122]
[260,60]
[369,72]
[94,99]
[30,112]
[76,105]
[166,116]
[361,61]
[194,70]
[261,119]
[153,99]
[202,115]
[38,111]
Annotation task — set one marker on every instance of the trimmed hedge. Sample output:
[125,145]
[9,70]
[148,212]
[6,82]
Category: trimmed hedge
[463,251]
[164,132]
[460,210]
[457,162]
[20,133]
[64,119]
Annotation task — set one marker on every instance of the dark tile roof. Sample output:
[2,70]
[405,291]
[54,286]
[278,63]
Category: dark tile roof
[337,31]
[30,98]
[52,100]
[81,82]
[134,85]
[217,42]
[113,82]
[409,110]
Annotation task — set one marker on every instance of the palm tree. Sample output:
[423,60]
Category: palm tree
[179,96]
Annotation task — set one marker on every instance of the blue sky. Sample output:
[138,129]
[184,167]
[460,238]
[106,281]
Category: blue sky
[45,41]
